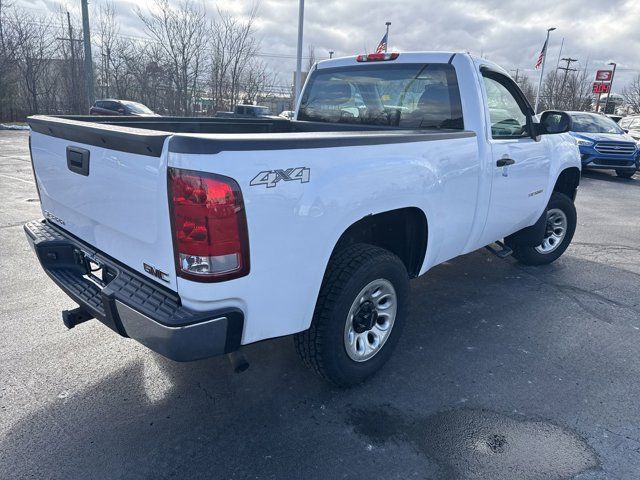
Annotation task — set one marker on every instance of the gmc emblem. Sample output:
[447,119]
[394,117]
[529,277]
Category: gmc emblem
[155,272]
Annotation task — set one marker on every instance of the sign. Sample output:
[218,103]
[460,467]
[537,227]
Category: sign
[601,87]
[604,75]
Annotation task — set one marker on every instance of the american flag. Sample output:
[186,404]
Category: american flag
[543,52]
[382,46]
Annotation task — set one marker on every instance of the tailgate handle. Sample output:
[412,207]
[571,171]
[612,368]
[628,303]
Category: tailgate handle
[78,160]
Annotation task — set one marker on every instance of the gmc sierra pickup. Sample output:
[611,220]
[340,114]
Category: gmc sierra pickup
[197,236]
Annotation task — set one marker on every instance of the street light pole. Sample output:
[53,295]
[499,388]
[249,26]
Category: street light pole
[298,82]
[544,59]
[331,52]
[606,104]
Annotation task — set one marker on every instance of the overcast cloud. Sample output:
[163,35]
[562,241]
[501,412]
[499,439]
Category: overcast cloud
[508,32]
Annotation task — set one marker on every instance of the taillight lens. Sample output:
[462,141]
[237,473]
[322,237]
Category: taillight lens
[209,226]
[377,57]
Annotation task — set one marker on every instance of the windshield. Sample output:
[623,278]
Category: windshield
[136,107]
[593,123]
[396,95]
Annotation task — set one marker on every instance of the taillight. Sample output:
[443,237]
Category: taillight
[209,226]
[377,57]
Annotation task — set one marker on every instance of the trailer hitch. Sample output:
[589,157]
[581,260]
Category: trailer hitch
[74,317]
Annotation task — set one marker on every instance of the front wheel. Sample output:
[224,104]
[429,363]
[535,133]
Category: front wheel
[560,227]
[625,173]
[358,317]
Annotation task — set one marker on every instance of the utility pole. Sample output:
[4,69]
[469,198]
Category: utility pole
[298,82]
[606,104]
[88,62]
[331,52]
[560,53]
[388,24]
[544,60]
[566,69]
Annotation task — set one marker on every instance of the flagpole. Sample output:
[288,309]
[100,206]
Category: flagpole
[544,59]
[387,44]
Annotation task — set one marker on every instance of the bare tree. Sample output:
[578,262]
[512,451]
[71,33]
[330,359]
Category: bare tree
[35,46]
[569,91]
[7,60]
[232,51]
[108,31]
[631,94]
[181,60]
[258,81]
[311,58]
[181,33]
[525,84]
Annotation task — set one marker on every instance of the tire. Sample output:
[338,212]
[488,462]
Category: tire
[625,173]
[559,210]
[325,346]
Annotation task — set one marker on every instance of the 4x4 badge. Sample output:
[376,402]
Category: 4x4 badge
[270,178]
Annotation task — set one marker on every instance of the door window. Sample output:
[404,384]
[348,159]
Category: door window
[507,113]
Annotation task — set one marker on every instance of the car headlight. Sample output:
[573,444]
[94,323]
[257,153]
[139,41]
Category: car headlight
[583,143]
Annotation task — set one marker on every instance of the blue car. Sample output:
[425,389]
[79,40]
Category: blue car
[604,144]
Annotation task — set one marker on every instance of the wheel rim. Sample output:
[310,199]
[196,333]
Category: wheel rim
[370,320]
[555,231]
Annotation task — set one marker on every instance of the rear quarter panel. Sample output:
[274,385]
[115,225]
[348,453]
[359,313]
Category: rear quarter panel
[294,226]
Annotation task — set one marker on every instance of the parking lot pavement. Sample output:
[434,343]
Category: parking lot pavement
[503,372]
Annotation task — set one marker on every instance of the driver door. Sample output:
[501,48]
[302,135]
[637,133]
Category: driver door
[519,165]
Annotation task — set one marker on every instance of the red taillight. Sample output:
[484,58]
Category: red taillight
[209,226]
[377,57]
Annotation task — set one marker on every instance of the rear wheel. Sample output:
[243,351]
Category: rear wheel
[560,227]
[358,317]
[626,173]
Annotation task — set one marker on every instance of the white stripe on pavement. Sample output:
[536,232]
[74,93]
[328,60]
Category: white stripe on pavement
[30,182]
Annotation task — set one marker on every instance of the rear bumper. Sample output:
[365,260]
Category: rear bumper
[129,303]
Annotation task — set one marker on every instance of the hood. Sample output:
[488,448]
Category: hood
[604,137]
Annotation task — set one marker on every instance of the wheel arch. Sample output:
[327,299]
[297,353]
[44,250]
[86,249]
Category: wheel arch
[568,182]
[402,231]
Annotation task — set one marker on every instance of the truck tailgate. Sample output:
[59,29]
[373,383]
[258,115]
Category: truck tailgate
[108,187]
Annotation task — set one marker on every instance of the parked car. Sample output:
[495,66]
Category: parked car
[288,114]
[604,144]
[199,243]
[615,118]
[246,111]
[121,107]
[631,124]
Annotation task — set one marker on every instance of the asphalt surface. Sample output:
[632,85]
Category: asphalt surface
[503,372]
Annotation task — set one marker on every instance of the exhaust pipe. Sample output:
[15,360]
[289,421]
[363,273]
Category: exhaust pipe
[74,317]
[238,361]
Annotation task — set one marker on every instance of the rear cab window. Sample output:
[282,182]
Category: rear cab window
[408,96]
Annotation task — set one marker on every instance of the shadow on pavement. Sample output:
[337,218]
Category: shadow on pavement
[490,349]
[610,176]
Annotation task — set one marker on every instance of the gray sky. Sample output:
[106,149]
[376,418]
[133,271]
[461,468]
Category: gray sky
[508,32]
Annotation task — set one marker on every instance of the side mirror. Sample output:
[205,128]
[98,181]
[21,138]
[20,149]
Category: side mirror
[555,121]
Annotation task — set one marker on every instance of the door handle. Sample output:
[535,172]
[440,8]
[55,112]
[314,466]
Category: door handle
[503,162]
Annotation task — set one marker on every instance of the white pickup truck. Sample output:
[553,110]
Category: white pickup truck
[197,236]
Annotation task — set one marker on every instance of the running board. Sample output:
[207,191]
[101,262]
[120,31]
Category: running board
[504,251]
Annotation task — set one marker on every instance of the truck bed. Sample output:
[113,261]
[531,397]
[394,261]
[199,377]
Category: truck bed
[147,135]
